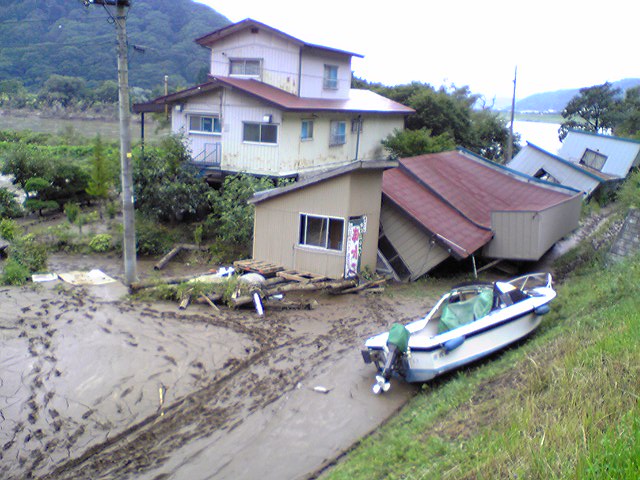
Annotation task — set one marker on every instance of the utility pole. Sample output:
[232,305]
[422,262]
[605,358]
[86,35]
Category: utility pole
[128,218]
[513,108]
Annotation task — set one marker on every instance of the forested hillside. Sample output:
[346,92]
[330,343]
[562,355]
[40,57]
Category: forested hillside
[39,38]
[557,100]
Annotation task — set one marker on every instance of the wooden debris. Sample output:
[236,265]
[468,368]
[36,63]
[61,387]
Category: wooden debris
[296,276]
[265,269]
[365,286]
[210,302]
[175,251]
[186,299]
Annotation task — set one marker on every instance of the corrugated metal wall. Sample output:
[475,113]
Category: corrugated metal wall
[414,246]
[528,235]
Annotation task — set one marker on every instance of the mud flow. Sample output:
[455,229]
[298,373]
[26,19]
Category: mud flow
[95,386]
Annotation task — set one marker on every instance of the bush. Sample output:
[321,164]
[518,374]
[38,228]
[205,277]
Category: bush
[29,253]
[71,210]
[9,229]
[101,242]
[9,206]
[151,238]
[14,273]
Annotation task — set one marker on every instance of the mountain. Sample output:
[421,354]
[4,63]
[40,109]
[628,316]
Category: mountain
[43,37]
[556,101]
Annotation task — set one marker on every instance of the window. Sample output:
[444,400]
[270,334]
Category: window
[205,124]
[330,77]
[593,159]
[244,66]
[260,132]
[323,232]
[338,133]
[542,174]
[306,133]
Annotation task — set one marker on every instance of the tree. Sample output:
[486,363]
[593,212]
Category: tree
[63,90]
[167,186]
[409,143]
[101,179]
[232,216]
[595,109]
[629,120]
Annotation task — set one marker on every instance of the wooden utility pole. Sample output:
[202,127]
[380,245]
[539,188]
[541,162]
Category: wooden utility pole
[128,218]
[513,108]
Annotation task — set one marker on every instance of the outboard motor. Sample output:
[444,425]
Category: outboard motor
[397,345]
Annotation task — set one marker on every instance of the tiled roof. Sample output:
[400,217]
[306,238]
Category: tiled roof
[452,195]
[359,101]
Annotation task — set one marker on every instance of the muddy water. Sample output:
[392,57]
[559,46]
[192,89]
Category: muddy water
[92,386]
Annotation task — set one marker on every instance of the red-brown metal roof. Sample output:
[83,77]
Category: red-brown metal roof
[451,229]
[359,101]
[452,194]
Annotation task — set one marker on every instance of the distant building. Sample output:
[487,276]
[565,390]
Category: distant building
[610,155]
[275,105]
[536,162]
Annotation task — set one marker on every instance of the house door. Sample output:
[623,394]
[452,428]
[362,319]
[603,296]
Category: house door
[356,229]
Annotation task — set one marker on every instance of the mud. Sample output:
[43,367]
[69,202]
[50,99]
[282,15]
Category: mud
[94,386]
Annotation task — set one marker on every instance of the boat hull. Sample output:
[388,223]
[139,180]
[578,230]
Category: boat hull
[422,365]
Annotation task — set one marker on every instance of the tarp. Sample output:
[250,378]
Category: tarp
[461,313]
[94,277]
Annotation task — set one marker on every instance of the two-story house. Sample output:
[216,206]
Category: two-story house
[278,106]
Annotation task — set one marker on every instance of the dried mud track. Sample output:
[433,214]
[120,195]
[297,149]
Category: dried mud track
[291,346]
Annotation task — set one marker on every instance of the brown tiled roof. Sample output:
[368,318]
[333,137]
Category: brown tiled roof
[452,195]
[210,39]
[359,101]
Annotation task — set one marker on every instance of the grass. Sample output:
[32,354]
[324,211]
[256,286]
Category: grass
[565,404]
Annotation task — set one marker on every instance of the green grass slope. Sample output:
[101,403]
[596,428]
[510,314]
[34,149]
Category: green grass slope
[564,404]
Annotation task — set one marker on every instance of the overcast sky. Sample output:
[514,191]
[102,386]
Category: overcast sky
[555,44]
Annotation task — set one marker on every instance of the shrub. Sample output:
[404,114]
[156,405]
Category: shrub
[14,273]
[9,206]
[9,229]
[151,238]
[71,210]
[29,253]
[101,242]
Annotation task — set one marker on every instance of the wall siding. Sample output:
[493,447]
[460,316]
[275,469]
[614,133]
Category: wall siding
[414,246]
[280,57]
[530,160]
[528,235]
[621,155]
[277,223]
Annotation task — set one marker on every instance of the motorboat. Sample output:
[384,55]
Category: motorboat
[471,321]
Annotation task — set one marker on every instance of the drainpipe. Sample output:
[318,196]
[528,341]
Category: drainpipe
[142,135]
[299,70]
[358,128]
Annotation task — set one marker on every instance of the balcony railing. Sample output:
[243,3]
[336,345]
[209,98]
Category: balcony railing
[210,156]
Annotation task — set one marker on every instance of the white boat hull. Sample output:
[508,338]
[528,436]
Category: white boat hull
[429,353]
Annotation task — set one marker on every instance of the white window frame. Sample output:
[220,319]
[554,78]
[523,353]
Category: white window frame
[591,157]
[303,232]
[335,138]
[329,81]
[215,121]
[261,125]
[243,62]
[355,123]
[309,130]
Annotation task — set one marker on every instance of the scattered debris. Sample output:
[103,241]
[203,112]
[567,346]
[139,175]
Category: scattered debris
[43,277]
[175,251]
[321,389]
[93,277]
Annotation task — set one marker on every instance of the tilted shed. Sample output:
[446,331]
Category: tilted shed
[457,204]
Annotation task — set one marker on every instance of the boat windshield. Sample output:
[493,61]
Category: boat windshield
[464,307]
